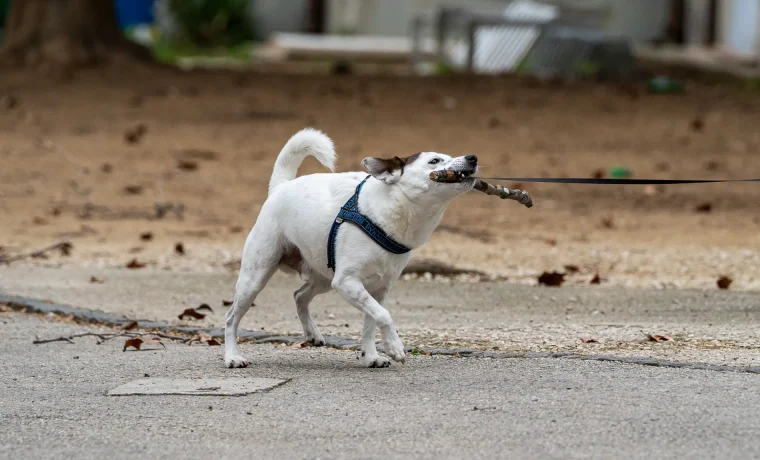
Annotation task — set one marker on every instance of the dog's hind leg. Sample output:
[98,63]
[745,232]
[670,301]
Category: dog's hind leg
[258,265]
[369,355]
[353,291]
[303,297]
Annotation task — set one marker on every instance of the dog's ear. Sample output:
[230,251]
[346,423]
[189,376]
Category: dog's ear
[387,170]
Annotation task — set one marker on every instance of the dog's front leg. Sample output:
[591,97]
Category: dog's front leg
[369,355]
[353,291]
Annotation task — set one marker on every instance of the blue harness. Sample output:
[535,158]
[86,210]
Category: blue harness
[350,213]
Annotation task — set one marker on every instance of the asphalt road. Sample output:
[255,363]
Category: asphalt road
[54,405]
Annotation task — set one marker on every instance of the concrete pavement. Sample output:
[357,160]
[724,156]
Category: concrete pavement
[54,405]
[718,327]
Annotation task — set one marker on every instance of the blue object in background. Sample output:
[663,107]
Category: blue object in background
[134,12]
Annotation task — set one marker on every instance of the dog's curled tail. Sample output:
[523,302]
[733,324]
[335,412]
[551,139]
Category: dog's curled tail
[304,143]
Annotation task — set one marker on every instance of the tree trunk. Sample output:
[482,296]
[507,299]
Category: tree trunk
[65,33]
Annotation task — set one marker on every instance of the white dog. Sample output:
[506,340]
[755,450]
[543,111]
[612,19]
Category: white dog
[398,205]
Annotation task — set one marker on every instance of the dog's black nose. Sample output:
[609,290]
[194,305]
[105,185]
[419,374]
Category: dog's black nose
[472,159]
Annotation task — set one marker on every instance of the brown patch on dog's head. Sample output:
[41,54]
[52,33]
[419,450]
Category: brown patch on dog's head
[388,170]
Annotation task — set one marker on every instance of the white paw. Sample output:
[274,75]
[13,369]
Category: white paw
[393,347]
[236,361]
[375,360]
[315,338]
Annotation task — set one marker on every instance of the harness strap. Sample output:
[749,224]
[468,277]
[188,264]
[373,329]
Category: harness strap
[349,212]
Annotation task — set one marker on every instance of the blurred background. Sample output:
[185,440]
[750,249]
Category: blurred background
[143,132]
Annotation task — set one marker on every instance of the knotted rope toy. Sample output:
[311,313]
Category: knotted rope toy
[449,176]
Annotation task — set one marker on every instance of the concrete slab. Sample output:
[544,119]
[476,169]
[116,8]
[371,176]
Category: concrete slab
[196,387]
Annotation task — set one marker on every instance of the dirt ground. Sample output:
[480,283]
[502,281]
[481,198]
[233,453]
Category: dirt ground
[77,167]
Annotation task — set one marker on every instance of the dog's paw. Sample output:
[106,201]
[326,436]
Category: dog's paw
[393,347]
[236,361]
[374,360]
[316,339]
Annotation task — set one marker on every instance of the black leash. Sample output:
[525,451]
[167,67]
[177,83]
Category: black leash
[592,181]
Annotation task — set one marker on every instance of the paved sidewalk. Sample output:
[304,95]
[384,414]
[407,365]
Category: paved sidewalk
[717,327]
[54,405]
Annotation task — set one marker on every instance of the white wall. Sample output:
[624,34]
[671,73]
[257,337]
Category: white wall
[739,24]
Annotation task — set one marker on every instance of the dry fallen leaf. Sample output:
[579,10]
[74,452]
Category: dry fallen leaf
[133,189]
[704,207]
[95,280]
[551,279]
[205,306]
[187,165]
[659,338]
[134,342]
[179,248]
[724,282]
[588,340]
[697,124]
[131,326]
[146,236]
[134,135]
[191,313]
[204,338]
[134,264]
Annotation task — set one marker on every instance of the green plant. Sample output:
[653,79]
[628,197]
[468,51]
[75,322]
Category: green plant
[213,23]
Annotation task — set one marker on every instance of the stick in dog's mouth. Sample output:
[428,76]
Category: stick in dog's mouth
[449,176]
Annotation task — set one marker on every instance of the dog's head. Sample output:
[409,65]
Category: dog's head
[412,174]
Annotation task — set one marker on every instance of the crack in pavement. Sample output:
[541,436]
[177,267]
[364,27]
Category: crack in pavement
[84,315]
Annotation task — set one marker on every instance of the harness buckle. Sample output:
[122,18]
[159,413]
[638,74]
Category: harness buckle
[339,220]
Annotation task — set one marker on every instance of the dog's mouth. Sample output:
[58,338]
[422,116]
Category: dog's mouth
[451,176]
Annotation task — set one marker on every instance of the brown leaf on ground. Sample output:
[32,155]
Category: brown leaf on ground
[187,165]
[588,340]
[133,189]
[596,279]
[724,282]
[179,248]
[134,342]
[135,135]
[551,279]
[131,326]
[697,124]
[659,338]
[226,303]
[190,312]
[134,264]
[205,306]
[570,268]
[204,338]
[96,280]
[704,207]
[198,154]
[146,236]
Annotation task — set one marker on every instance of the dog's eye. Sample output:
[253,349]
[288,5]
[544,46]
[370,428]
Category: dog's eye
[434,161]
